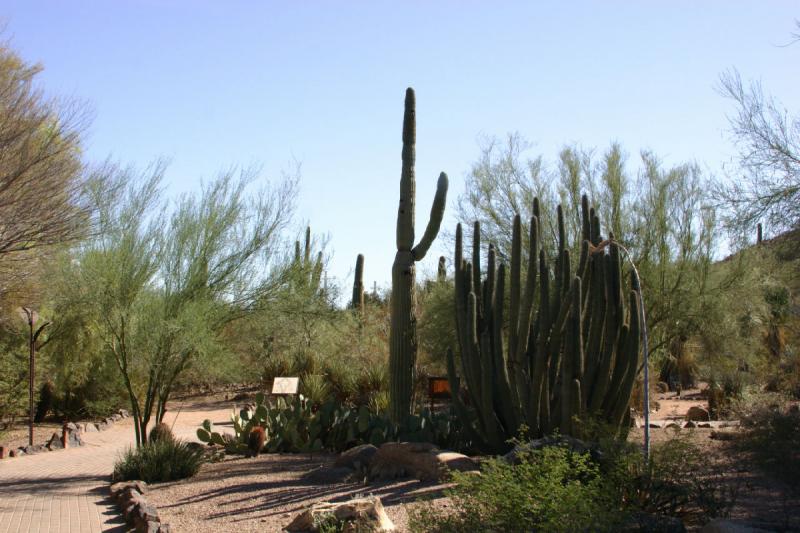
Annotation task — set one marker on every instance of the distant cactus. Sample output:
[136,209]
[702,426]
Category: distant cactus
[161,432]
[403,334]
[441,271]
[256,440]
[545,365]
[310,272]
[357,302]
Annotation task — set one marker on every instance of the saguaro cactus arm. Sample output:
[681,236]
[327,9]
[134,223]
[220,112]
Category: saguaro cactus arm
[435,220]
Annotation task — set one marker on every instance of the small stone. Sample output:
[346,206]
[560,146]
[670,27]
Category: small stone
[19,452]
[117,488]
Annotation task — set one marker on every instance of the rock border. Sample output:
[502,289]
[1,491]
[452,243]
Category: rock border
[137,512]
[71,436]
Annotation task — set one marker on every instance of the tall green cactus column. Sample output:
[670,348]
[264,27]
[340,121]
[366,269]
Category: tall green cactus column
[357,302]
[403,333]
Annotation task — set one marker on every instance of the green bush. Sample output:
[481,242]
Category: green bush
[164,460]
[552,489]
[609,488]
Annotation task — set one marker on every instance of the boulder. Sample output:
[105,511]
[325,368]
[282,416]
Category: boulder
[71,426]
[123,413]
[361,514]
[357,457]
[90,427]
[74,438]
[19,452]
[698,414]
[423,461]
[662,387]
[116,417]
[55,442]
[690,424]
[672,424]
[102,426]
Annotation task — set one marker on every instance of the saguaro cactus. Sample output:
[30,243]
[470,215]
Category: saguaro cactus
[576,353]
[358,285]
[403,333]
[310,272]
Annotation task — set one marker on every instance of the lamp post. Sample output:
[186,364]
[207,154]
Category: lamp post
[31,316]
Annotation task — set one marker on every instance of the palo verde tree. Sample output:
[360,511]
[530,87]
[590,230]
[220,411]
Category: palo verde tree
[164,286]
[765,186]
[659,213]
[41,174]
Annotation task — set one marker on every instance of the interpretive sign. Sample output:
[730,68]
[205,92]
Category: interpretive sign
[285,385]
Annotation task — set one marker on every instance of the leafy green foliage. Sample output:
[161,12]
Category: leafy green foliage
[552,489]
[163,460]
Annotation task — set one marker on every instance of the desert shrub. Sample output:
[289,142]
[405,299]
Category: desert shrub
[161,432]
[678,481]
[164,460]
[772,436]
[552,489]
[609,488]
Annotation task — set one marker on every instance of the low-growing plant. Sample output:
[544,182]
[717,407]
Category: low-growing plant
[163,460]
[551,489]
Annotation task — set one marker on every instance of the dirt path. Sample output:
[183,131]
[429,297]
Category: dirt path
[65,491]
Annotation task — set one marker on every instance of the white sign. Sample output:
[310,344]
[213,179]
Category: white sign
[285,385]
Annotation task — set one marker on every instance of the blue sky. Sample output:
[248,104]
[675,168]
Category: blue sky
[210,85]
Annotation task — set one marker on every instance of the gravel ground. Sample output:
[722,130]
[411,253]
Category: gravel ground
[267,492]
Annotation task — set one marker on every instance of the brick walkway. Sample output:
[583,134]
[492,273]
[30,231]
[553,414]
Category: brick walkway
[66,491]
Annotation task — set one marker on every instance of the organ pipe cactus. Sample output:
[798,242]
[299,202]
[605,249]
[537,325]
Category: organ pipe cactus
[358,285]
[568,348]
[403,334]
